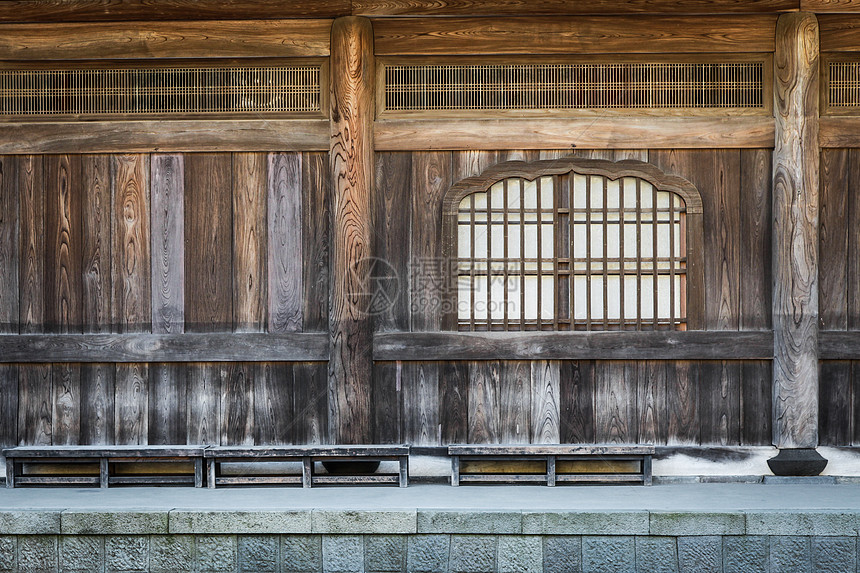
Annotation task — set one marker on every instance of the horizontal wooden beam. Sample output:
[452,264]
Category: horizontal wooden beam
[578,35]
[598,132]
[839,345]
[155,10]
[694,345]
[222,39]
[216,347]
[839,33]
[164,136]
[839,131]
[830,6]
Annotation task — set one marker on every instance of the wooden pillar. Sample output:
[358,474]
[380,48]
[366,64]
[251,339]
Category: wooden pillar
[351,159]
[795,234]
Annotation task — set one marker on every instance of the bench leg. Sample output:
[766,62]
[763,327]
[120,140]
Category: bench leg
[104,480]
[550,470]
[210,470]
[10,472]
[646,470]
[404,471]
[455,470]
[198,472]
[307,471]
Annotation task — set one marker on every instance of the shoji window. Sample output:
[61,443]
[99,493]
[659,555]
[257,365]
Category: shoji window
[583,249]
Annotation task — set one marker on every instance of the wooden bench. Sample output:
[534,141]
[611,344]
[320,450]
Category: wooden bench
[307,456]
[550,464]
[104,466]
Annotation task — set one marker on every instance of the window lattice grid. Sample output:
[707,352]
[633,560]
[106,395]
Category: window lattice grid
[844,84]
[571,252]
[412,87]
[168,90]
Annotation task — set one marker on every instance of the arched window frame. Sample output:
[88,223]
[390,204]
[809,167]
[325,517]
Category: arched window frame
[531,171]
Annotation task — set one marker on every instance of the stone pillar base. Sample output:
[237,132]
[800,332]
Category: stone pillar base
[797,462]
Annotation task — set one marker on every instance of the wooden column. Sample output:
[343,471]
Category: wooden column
[351,159]
[795,233]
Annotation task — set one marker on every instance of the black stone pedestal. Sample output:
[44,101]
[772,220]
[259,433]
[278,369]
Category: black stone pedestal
[797,462]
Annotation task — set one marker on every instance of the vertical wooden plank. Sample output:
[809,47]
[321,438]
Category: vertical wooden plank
[855,402]
[131,244]
[431,178]
[237,405]
[63,301]
[722,225]
[274,421]
[454,402]
[756,395]
[420,394]
[351,158]
[386,403]
[168,244]
[9,241]
[795,215]
[311,405]
[35,408]
[393,212]
[96,256]
[682,400]
[208,242]
[576,395]
[131,404]
[719,402]
[850,182]
[66,382]
[834,419]
[316,236]
[250,289]
[545,415]
[31,287]
[653,402]
[204,402]
[515,402]
[484,405]
[615,384]
[285,241]
[98,392]
[8,405]
[755,240]
[167,404]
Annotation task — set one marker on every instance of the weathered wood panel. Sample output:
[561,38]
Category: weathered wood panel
[756,396]
[98,393]
[615,406]
[208,242]
[96,250]
[66,383]
[833,239]
[754,240]
[420,395]
[454,402]
[249,242]
[576,391]
[285,242]
[132,290]
[582,35]
[845,6]
[652,402]
[168,244]
[484,402]
[839,33]
[563,7]
[237,404]
[8,405]
[31,286]
[387,404]
[274,421]
[316,236]
[855,403]
[515,402]
[35,410]
[682,391]
[131,404]
[834,403]
[204,402]
[719,402]
[852,179]
[722,226]
[795,215]
[545,402]
[311,405]
[63,286]
[120,41]
[168,404]
[9,241]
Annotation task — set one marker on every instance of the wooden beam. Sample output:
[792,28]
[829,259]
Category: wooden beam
[565,7]
[164,136]
[830,6]
[351,160]
[614,132]
[221,347]
[34,11]
[122,41]
[580,35]
[839,132]
[840,33]
[839,345]
[660,345]
[795,233]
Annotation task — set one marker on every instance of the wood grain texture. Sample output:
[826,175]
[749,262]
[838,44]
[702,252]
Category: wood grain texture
[120,41]
[393,211]
[237,404]
[63,288]
[585,132]
[561,7]
[274,421]
[8,405]
[682,399]
[249,242]
[615,388]
[719,402]
[167,405]
[208,242]
[755,240]
[316,236]
[582,34]
[285,242]
[98,393]
[454,402]
[853,296]
[653,402]
[204,402]
[515,402]
[484,402]
[66,384]
[833,236]
[351,163]
[839,33]
[131,404]
[835,404]
[855,402]
[431,179]
[576,391]
[35,408]
[9,241]
[387,404]
[839,132]
[168,243]
[756,398]
[311,402]
[420,395]
[96,250]
[722,248]
[836,6]
[31,285]
[165,136]
[132,290]
[545,401]
[795,215]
